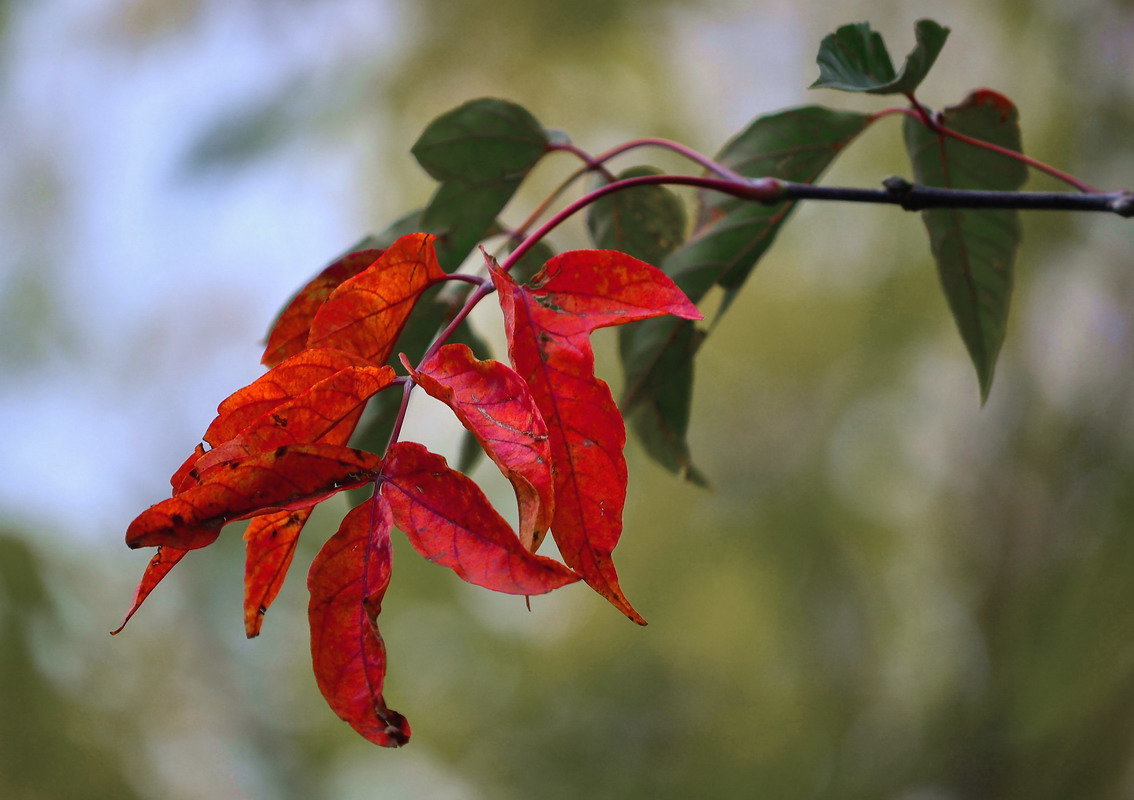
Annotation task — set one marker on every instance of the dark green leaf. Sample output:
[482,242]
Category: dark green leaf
[794,145]
[974,248]
[732,235]
[661,419]
[854,59]
[480,152]
[648,222]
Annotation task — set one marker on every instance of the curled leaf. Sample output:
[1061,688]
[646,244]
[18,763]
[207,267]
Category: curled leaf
[347,582]
[854,59]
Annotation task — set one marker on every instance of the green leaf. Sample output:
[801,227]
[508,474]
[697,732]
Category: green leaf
[854,59]
[798,145]
[974,248]
[480,152]
[732,235]
[648,222]
[660,419]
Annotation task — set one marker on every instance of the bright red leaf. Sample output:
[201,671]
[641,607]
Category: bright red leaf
[448,520]
[494,403]
[164,560]
[290,477]
[291,329]
[269,541]
[274,388]
[365,314]
[326,412]
[347,581]
[548,325]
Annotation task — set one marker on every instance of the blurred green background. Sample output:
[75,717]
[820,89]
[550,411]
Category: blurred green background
[890,592]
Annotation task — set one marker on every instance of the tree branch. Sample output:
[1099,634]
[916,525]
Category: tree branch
[911,197]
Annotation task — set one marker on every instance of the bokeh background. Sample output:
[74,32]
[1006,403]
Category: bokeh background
[890,591]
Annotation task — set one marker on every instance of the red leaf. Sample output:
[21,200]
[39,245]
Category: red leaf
[291,329]
[164,560]
[365,314]
[274,388]
[347,581]
[494,403]
[548,325]
[185,475]
[270,541]
[290,477]
[449,521]
[326,412]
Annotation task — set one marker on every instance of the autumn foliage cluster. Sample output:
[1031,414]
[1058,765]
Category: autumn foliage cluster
[390,316]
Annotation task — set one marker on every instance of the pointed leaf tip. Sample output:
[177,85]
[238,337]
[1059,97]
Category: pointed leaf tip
[974,249]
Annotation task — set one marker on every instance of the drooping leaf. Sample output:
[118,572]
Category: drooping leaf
[732,235]
[347,582]
[290,477]
[164,560]
[548,325]
[854,59]
[365,314]
[974,248]
[327,412]
[660,419]
[275,387]
[291,329]
[480,152]
[269,541]
[494,403]
[798,144]
[647,222]
[449,521]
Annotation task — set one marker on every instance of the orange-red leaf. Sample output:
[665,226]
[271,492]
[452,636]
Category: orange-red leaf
[291,329]
[326,412]
[494,403]
[365,314]
[290,477]
[186,476]
[449,521]
[274,388]
[347,581]
[269,541]
[548,325]
[164,560]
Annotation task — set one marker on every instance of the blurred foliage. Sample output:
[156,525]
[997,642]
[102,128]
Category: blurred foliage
[891,592]
[50,738]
